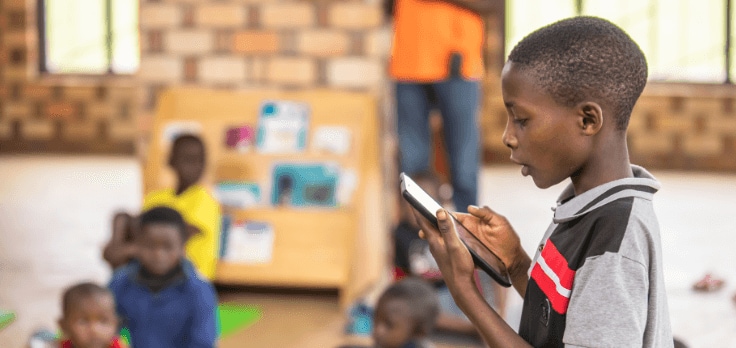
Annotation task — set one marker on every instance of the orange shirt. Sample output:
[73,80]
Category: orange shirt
[426,33]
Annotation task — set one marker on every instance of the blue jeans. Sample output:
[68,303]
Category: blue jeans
[457,100]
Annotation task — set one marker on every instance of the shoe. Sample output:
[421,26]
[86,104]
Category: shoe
[708,284]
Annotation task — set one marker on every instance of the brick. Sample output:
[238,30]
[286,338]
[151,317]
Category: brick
[12,39]
[123,131]
[256,42]
[80,93]
[100,110]
[20,110]
[378,43]
[36,92]
[257,70]
[61,110]
[152,42]
[161,69]
[702,145]
[355,15]
[14,4]
[195,41]
[291,71]
[216,70]
[160,16]
[223,41]
[6,131]
[287,15]
[38,129]
[354,72]
[224,15]
[323,43]
[648,144]
[19,73]
[673,123]
[190,69]
[80,131]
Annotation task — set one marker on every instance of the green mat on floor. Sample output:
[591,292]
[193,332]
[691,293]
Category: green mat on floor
[230,319]
[235,317]
[6,318]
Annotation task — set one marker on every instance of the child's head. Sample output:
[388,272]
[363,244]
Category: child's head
[407,310]
[569,89]
[161,240]
[89,318]
[187,158]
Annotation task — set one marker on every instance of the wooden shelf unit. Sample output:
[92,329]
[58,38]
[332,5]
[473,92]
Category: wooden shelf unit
[342,247]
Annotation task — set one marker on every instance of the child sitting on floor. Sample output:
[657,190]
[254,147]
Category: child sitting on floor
[193,201]
[160,297]
[89,319]
[405,315]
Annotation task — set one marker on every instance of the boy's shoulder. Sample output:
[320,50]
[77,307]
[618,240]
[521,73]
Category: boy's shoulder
[123,274]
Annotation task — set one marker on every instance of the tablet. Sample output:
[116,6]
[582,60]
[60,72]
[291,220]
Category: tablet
[483,257]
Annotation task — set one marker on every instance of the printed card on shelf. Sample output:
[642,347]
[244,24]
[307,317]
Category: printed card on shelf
[305,184]
[240,138]
[282,126]
[250,242]
[332,140]
[238,194]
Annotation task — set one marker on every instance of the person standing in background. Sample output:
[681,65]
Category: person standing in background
[437,61]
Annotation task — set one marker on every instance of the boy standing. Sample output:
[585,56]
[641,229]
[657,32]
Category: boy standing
[596,279]
[160,297]
[200,210]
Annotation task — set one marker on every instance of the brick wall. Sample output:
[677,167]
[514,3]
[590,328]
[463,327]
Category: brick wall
[673,126]
[51,114]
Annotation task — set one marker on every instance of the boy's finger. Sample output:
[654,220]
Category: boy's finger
[485,213]
[424,225]
[448,229]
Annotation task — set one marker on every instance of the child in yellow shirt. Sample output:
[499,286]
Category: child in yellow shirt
[193,201]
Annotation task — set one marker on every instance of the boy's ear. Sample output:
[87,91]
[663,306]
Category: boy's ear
[590,117]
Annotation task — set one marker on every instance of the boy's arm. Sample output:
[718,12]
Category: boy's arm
[457,267]
[119,250]
[204,323]
[610,284]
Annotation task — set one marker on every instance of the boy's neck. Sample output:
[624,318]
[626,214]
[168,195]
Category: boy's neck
[157,283]
[182,186]
[609,163]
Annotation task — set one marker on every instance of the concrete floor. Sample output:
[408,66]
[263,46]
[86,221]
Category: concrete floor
[55,212]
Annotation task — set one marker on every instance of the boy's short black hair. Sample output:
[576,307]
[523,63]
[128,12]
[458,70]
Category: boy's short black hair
[79,292]
[182,139]
[421,299]
[585,58]
[164,215]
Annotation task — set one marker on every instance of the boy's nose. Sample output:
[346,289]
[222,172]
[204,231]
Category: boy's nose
[508,138]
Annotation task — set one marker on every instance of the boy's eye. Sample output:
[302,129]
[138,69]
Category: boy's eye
[520,121]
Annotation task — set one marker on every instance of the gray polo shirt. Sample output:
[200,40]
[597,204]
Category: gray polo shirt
[596,280]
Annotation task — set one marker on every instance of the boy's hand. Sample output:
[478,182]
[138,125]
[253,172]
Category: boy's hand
[496,233]
[452,257]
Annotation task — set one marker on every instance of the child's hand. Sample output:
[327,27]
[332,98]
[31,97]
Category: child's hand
[496,233]
[453,258]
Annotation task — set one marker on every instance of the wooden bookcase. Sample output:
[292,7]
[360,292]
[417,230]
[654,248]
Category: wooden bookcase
[342,247]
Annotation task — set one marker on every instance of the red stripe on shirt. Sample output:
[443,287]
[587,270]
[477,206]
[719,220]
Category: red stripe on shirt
[558,264]
[559,303]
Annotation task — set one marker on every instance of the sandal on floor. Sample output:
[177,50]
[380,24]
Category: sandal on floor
[708,284]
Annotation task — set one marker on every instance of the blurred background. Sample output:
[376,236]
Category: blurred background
[89,87]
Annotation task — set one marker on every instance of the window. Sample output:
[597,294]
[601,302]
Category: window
[88,36]
[683,40]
